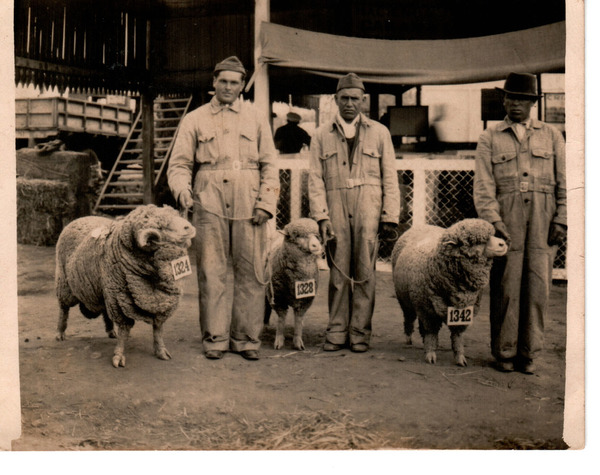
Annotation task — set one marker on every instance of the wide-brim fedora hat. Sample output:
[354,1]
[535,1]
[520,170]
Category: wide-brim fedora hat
[521,84]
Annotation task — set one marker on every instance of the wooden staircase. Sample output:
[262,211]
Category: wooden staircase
[123,189]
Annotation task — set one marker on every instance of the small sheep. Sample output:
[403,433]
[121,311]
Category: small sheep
[294,277]
[438,276]
[125,269]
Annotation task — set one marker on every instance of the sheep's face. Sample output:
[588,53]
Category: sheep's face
[304,233]
[495,247]
[154,226]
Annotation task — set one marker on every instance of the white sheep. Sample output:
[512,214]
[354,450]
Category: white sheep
[438,277]
[294,277]
[125,269]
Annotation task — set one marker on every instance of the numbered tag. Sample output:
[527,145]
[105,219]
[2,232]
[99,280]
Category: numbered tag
[305,288]
[460,316]
[181,267]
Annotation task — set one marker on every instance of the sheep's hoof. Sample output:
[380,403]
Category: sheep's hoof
[430,357]
[162,354]
[460,360]
[279,341]
[408,339]
[298,343]
[118,360]
[60,336]
[112,334]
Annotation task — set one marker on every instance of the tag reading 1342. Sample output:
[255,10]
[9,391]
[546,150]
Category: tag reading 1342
[460,316]
[181,267]
[305,288]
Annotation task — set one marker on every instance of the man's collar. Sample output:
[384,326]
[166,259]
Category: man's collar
[507,123]
[216,106]
[363,121]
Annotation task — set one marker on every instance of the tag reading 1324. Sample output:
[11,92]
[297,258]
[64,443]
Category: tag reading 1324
[305,288]
[181,267]
[460,316]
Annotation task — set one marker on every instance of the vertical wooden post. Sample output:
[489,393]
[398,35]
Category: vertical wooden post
[374,105]
[261,81]
[148,145]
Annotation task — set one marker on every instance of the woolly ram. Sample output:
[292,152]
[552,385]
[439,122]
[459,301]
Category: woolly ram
[438,277]
[123,269]
[294,277]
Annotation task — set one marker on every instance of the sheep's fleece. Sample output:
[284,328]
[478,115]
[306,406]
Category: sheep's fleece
[436,268]
[122,269]
[295,260]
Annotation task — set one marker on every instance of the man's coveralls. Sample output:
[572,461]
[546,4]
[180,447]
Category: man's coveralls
[234,156]
[521,183]
[356,198]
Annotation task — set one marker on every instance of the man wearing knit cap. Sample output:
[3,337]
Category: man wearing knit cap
[520,188]
[290,138]
[233,194]
[353,194]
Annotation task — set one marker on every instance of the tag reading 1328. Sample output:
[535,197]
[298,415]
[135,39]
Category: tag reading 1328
[181,267]
[460,316]
[305,288]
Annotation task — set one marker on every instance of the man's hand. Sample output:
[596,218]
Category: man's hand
[557,235]
[326,230]
[185,199]
[260,216]
[388,232]
[502,231]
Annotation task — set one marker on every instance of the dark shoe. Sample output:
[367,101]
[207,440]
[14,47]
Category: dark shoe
[332,347]
[528,367]
[359,347]
[213,354]
[249,354]
[505,366]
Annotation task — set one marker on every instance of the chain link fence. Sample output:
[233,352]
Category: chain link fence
[436,192]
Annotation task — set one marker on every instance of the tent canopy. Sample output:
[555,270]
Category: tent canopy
[415,62]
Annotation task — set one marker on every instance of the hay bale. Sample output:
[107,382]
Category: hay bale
[44,207]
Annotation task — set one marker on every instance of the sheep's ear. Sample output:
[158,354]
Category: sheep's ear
[147,238]
[449,243]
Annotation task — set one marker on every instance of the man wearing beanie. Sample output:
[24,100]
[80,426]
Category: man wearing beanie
[290,138]
[353,193]
[520,188]
[233,194]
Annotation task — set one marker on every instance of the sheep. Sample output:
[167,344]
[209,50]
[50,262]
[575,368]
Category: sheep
[125,269]
[439,273]
[294,277]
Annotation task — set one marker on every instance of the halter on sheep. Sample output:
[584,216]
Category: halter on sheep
[124,269]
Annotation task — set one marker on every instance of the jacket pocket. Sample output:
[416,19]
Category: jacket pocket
[372,162]
[504,164]
[329,162]
[207,150]
[249,144]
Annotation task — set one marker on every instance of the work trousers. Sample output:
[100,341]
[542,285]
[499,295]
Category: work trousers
[223,328]
[520,281]
[354,215]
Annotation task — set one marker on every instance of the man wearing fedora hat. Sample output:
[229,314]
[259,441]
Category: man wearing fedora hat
[233,193]
[353,193]
[520,187]
[290,138]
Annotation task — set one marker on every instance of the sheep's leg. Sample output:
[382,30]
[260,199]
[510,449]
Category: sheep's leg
[429,330]
[298,326]
[122,337]
[456,336]
[160,350]
[409,325]
[279,334]
[63,317]
[109,326]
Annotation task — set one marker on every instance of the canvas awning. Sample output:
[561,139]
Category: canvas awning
[414,62]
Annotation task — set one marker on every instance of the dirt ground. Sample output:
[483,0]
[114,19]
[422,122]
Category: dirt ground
[388,398]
